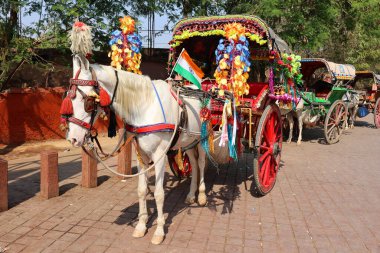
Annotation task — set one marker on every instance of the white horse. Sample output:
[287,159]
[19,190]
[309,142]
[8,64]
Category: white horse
[140,102]
[352,99]
[290,114]
[305,117]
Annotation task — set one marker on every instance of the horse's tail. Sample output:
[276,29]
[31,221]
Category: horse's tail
[81,39]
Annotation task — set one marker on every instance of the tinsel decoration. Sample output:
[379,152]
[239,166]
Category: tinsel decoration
[207,133]
[126,46]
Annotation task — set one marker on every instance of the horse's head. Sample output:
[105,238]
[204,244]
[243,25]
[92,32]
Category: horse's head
[81,96]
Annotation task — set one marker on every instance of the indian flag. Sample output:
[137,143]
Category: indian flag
[188,69]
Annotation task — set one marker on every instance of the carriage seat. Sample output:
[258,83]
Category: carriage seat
[322,89]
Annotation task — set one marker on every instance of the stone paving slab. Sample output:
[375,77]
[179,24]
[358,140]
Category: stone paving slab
[326,199]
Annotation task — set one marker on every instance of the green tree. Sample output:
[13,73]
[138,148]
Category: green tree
[50,31]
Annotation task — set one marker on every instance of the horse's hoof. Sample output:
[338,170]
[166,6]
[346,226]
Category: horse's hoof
[298,143]
[190,200]
[157,239]
[288,141]
[202,200]
[138,233]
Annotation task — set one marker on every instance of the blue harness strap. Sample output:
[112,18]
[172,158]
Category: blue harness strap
[159,100]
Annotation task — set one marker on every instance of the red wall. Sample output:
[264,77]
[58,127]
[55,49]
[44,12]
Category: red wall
[31,114]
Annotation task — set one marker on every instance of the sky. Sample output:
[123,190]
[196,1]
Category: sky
[161,41]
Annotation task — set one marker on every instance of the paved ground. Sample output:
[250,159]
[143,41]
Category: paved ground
[327,199]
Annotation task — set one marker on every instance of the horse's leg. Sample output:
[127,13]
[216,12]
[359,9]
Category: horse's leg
[142,191]
[190,199]
[347,122]
[353,116]
[202,198]
[289,116]
[159,196]
[300,124]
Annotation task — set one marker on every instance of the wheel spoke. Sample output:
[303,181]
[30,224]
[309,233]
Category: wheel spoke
[265,138]
[263,170]
[266,172]
[329,134]
[264,156]
[328,131]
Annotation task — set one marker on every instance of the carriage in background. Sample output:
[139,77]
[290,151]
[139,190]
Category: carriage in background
[367,84]
[257,113]
[327,97]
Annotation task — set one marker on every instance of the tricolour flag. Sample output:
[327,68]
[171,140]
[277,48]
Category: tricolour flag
[188,69]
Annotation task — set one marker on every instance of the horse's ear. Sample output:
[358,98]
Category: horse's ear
[81,62]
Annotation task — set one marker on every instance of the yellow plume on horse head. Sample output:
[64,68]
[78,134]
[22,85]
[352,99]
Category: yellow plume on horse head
[81,39]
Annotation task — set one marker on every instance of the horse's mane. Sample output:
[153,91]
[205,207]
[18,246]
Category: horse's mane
[133,91]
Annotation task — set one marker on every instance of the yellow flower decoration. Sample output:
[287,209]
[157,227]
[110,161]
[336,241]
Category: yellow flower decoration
[127,25]
[122,56]
[234,31]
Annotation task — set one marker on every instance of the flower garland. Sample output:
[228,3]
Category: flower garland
[289,67]
[232,56]
[178,39]
[126,46]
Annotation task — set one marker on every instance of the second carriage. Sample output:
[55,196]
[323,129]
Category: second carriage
[327,98]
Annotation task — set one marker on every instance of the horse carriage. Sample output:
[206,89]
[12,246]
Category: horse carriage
[367,85]
[165,118]
[257,114]
[325,96]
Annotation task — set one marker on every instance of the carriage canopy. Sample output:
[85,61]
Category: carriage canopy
[200,36]
[368,74]
[338,71]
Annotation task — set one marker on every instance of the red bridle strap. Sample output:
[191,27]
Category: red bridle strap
[79,122]
[80,82]
[161,127]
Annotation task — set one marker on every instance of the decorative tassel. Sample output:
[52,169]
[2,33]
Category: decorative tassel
[112,125]
[179,160]
[139,158]
[63,125]
[223,126]
[231,145]
[66,107]
[207,134]
[204,138]
[210,136]
[105,99]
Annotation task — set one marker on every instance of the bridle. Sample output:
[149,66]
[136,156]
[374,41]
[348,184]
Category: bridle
[91,105]
[90,102]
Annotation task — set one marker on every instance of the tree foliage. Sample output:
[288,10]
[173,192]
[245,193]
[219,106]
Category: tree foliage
[339,30]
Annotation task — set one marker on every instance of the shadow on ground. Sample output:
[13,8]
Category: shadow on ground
[24,179]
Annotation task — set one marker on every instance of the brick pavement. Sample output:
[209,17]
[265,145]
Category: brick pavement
[327,199]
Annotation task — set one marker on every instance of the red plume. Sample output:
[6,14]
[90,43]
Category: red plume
[105,99]
[66,107]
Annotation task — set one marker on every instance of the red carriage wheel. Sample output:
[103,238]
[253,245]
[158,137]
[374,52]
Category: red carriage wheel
[376,113]
[335,122]
[177,172]
[266,162]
